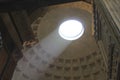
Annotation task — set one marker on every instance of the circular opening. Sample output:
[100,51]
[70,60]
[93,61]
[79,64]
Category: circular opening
[71,30]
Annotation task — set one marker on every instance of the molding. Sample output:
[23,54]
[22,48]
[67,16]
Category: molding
[103,52]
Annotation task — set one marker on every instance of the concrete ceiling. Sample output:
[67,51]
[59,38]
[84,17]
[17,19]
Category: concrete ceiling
[54,17]
[81,60]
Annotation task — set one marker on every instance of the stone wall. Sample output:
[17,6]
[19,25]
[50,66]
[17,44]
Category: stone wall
[107,35]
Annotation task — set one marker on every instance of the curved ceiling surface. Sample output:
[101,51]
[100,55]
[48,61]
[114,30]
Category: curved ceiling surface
[81,60]
[55,17]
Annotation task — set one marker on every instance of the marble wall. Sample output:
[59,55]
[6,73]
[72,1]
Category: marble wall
[107,32]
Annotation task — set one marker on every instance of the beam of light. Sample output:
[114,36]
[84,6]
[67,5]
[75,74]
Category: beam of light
[38,58]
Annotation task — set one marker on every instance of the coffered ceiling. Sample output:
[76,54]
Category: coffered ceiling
[80,60]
